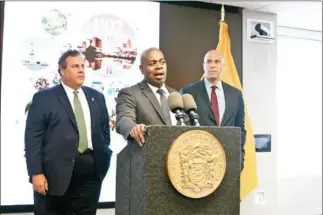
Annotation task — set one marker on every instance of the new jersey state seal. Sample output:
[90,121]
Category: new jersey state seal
[196,163]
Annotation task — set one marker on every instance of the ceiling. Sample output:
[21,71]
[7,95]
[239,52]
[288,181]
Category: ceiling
[303,15]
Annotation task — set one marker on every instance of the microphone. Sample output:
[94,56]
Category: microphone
[175,103]
[190,108]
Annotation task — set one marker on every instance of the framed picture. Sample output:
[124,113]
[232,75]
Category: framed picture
[263,142]
[260,31]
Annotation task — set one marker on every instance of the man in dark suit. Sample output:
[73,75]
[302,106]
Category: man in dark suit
[145,103]
[67,140]
[218,103]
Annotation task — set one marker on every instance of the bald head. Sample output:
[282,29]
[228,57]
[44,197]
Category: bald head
[146,53]
[213,53]
[213,65]
[153,66]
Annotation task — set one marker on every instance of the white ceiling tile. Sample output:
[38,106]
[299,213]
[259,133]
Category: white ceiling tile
[247,5]
[305,15]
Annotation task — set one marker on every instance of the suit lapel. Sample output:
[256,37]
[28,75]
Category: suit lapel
[227,107]
[205,97]
[145,89]
[90,101]
[170,90]
[62,97]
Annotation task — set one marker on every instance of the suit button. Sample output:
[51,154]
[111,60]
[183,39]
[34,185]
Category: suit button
[73,160]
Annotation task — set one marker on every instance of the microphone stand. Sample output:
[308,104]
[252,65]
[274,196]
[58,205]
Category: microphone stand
[194,117]
[180,117]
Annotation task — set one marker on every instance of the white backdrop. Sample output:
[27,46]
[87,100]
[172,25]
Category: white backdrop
[299,120]
[35,34]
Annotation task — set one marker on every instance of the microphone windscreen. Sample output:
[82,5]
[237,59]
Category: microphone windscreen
[175,101]
[189,103]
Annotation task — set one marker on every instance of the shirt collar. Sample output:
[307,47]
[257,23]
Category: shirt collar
[69,90]
[154,89]
[209,85]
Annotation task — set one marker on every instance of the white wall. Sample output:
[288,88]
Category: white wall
[299,118]
[259,83]
[283,92]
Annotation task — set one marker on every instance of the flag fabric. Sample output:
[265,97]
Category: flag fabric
[230,75]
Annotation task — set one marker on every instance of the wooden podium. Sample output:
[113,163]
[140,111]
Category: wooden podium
[144,188]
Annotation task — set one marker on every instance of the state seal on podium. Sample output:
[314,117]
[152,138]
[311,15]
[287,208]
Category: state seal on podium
[196,164]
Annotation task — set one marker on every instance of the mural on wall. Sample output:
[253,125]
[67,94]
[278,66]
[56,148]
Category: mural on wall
[107,42]
[110,35]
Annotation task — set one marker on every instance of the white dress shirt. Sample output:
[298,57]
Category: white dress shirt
[219,94]
[154,89]
[85,107]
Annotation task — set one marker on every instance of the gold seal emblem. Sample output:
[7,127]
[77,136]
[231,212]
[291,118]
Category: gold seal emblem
[196,164]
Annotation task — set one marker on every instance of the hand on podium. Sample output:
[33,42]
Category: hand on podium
[137,133]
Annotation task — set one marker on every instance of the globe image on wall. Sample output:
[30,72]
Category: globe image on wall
[54,22]
[109,45]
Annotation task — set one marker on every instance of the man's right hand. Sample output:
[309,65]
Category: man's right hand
[138,133]
[40,184]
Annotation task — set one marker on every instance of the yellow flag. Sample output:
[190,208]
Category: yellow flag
[230,75]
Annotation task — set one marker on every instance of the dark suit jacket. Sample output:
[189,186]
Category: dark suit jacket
[234,108]
[138,105]
[51,136]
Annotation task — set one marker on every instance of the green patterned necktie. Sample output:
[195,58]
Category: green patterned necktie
[80,121]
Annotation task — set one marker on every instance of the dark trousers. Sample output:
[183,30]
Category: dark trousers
[82,195]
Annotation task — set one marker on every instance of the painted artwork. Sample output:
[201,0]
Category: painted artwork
[111,36]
